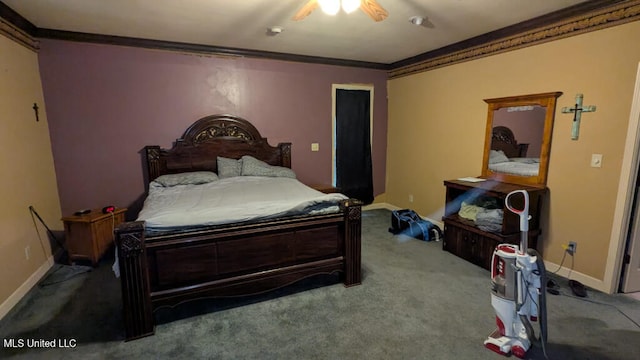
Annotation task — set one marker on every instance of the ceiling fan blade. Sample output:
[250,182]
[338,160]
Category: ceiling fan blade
[305,10]
[374,10]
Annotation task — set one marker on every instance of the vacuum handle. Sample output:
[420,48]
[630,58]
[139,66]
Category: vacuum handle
[524,212]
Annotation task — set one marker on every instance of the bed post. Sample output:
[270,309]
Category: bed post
[136,296]
[353,229]
[154,166]
[285,153]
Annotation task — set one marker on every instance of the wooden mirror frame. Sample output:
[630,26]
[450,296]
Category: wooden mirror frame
[547,100]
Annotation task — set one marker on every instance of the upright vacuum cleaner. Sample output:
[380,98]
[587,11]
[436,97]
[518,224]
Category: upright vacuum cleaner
[517,290]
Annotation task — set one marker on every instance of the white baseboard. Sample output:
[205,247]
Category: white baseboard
[17,295]
[567,273]
[587,280]
[380,206]
[393,207]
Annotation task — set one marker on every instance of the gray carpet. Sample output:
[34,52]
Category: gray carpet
[416,302]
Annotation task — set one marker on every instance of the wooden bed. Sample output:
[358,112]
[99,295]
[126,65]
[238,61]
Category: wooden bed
[167,269]
[503,139]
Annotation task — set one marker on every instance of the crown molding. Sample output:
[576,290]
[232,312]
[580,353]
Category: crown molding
[17,28]
[202,49]
[18,35]
[608,16]
[591,15]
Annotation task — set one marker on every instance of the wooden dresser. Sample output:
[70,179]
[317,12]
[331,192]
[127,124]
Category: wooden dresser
[463,238]
[89,236]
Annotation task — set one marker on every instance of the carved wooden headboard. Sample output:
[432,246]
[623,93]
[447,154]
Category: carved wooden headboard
[503,139]
[212,136]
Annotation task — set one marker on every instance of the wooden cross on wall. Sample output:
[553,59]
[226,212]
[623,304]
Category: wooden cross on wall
[577,111]
[35,109]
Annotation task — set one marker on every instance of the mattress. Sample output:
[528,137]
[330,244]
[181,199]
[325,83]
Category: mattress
[517,166]
[232,200]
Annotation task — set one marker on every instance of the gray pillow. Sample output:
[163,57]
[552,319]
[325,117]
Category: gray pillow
[254,167]
[188,178]
[497,156]
[229,167]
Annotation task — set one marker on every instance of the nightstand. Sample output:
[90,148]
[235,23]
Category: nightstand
[327,189]
[89,236]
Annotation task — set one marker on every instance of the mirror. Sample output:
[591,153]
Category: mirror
[518,138]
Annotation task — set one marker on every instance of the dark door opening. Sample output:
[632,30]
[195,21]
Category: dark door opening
[353,167]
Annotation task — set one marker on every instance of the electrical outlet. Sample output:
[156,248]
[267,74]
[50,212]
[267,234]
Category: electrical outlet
[410,198]
[27,252]
[571,248]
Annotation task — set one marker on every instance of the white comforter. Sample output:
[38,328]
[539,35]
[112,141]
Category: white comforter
[517,166]
[230,200]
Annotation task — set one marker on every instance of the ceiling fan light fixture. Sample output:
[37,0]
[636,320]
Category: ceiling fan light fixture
[329,7]
[332,7]
[350,6]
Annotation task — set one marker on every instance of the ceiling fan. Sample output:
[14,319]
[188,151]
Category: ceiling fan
[332,7]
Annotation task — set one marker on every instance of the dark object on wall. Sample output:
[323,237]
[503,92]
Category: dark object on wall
[408,222]
[35,109]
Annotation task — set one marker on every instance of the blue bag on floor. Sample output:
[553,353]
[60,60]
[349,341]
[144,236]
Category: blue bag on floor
[408,222]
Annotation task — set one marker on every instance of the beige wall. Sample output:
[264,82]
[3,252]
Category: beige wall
[437,122]
[28,177]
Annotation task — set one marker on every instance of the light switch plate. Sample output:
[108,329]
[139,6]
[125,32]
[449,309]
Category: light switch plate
[315,147]
[596,160]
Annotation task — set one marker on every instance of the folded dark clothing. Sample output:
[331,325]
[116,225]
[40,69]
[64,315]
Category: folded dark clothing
[486,202]
[490,220]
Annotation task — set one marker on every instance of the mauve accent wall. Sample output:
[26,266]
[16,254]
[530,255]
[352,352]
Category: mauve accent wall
[105,103]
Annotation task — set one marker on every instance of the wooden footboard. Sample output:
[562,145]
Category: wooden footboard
[232,261]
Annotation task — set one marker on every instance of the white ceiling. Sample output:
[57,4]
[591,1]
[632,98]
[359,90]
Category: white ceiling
[243,23]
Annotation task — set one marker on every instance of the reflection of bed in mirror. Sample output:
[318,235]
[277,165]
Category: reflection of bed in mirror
[509,157]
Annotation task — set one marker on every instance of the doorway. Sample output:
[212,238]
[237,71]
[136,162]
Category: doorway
[629,254]
[352,134]
[630,276]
